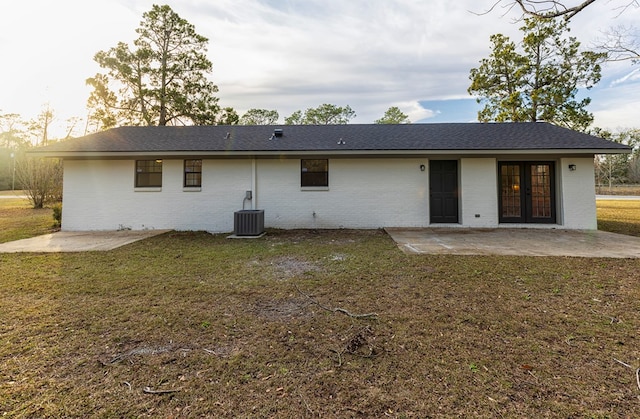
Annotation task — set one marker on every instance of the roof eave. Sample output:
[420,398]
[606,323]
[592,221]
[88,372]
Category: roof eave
[271,153]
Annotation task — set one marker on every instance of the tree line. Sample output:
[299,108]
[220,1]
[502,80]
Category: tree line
[162,79]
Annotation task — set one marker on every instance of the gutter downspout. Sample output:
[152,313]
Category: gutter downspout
[254,183]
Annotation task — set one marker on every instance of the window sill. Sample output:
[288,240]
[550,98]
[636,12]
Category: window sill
[148,189]
[314,188]
[191,189]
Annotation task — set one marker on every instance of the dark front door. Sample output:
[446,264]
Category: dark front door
[443,191]
[527,193]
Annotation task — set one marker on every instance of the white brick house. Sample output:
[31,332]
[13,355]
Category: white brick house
[335,176]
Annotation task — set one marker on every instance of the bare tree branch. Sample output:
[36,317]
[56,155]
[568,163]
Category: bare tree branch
[550,9]
[507,8]
[621,43]
[624,8]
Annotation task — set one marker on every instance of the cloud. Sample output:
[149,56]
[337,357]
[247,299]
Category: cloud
[369,55]
[631,76]
[284,54]
[415,111]
[617,106]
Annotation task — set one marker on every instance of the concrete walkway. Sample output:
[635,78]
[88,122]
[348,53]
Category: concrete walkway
[78,241]
[518,242]
[11,196]
[618,197]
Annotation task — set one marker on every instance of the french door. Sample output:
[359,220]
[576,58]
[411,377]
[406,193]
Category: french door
[527,192]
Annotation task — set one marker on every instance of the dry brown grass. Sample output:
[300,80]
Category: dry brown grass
[233,329]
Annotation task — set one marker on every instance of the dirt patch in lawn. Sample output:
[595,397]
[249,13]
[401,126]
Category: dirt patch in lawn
[284,309]
[290,266]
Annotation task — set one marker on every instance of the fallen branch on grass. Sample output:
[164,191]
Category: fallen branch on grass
[612,319]
[622,363]
[356,316]
[144,350]
[337,309]
[358,341]
[339,356]
[149,390]
[306,404]
[629,366]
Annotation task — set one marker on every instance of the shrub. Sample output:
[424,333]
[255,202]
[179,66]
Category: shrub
[57,214]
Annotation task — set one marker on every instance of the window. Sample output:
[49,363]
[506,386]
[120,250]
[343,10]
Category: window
[192,173]
[148,173]
[314,172]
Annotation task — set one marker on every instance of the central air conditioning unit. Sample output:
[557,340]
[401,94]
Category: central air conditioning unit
[248,222]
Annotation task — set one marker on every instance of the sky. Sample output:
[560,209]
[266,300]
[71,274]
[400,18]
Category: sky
[292,55]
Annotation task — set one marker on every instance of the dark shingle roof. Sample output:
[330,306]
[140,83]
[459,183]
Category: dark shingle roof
[357,138]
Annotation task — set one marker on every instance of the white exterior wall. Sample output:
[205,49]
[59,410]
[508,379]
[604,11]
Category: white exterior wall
[479,192]
[100,195]
[362,193]
[578,206]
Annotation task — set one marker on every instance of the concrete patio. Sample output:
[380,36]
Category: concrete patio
[517,242]
[78,241]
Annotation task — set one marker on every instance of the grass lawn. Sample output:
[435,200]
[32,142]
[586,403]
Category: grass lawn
[19,221]
[619,216]
[192,325]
